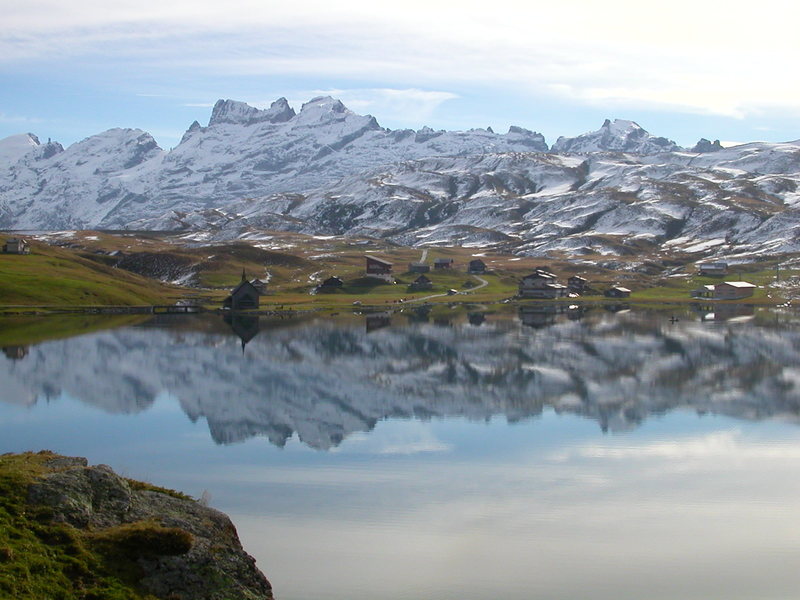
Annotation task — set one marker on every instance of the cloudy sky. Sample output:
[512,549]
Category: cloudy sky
[682,69]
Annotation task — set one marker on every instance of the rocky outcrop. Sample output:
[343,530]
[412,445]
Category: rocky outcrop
[183,549]
[705,145]
[617,136]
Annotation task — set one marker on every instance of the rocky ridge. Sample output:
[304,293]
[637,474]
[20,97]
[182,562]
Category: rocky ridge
[111,178]
[182,549]
[327,170]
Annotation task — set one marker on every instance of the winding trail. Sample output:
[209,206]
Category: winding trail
[483,283]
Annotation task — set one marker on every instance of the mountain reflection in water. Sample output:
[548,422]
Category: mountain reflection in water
[325,379]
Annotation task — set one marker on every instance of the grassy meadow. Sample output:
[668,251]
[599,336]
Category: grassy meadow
[89,268]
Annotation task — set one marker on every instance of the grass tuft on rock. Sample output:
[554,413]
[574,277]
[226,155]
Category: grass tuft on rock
[144,539]
[43,558]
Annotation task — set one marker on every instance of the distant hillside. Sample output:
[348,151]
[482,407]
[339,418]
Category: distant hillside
[51,276]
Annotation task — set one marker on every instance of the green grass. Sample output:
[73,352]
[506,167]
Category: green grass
[678,289]
[41,558]
[52,276]
[68,277]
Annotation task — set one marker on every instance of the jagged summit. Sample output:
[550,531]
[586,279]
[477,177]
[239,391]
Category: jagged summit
[704,145]
[616,136]
[325,103]
[240,113]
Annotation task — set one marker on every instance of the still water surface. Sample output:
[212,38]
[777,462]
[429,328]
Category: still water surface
[469,456]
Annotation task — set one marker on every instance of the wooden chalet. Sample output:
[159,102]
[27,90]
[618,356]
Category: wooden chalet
[16,246]
[331,284]
[713,268]
[733,290]
[421,283]
[476,266]
[418,267]
[377,268]
[706,291]
[617,292]
[577,284]
[443,263]
[541,284]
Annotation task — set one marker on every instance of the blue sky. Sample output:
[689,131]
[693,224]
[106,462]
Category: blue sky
[682,70]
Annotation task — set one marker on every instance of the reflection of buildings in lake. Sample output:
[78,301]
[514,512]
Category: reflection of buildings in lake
[420,314]
[245,326]
[538,316]
[326,380]
[375,321]
[723,312]
[577,312]
[618,307]
[476,319]
[443,321]
[15,352]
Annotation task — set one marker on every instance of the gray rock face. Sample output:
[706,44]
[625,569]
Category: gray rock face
[616,136]
[705,145]
[736,202]
[95,498]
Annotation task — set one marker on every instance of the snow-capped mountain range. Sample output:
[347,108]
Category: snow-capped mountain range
[325,380]
[328,170]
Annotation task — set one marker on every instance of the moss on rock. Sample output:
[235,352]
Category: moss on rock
[71,531]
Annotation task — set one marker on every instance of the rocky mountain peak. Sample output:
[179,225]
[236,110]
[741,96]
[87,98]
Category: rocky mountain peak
[193,128]
[532,139]
[281,111]
[239,113]
[618,135]
[704,145]
[324,104]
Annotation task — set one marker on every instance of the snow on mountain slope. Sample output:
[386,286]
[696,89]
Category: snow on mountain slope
[326,169]
[13,148]
[326,380]
[535,203]
[79,186]
[118,176]
[616,136]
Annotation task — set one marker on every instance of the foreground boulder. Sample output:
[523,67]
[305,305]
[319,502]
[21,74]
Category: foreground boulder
[103,532]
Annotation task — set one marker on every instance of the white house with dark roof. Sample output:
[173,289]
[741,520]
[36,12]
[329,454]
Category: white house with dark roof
[541,284]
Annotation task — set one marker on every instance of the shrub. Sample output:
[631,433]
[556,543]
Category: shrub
[144,539]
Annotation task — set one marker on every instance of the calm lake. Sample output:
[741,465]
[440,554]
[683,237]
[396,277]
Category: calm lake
[590,453]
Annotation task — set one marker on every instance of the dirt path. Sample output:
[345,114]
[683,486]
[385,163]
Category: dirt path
[483,283]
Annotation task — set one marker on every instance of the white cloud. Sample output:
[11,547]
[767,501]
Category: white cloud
[408,105]
[617,53]
[729,445]
[5,118]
